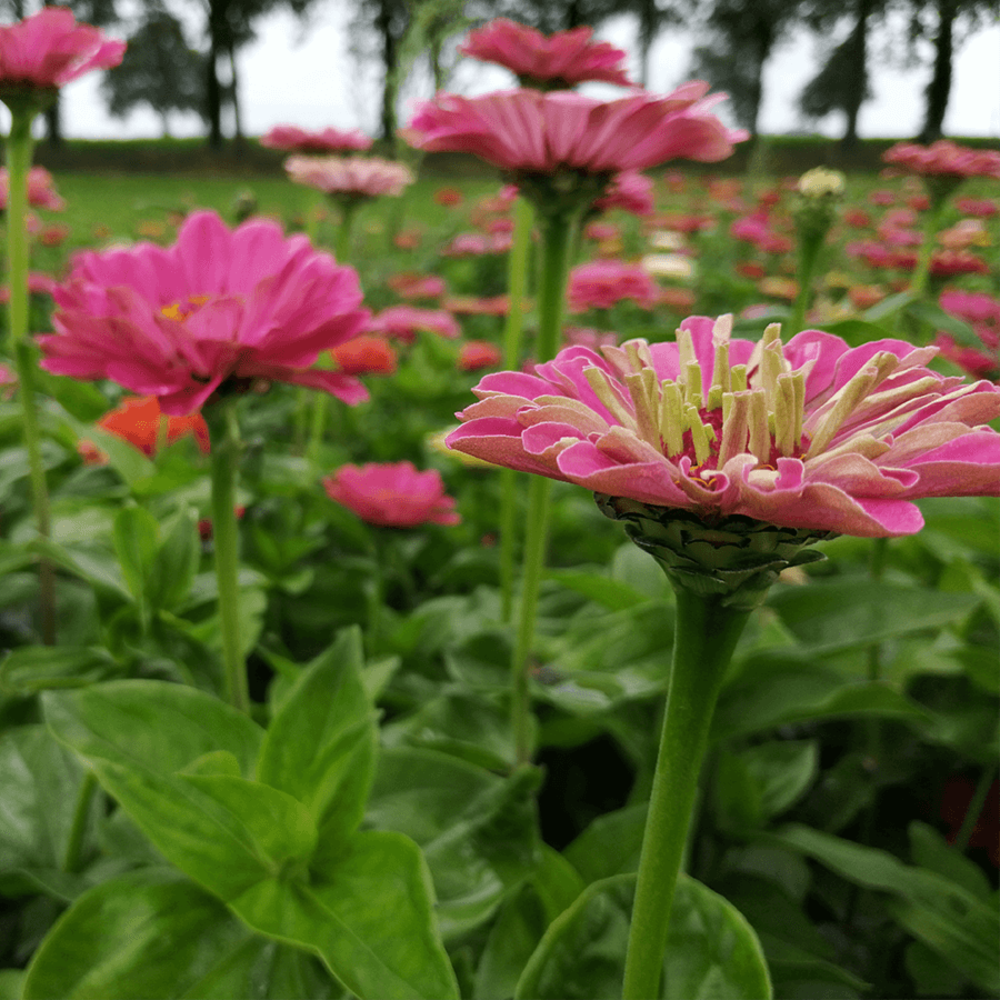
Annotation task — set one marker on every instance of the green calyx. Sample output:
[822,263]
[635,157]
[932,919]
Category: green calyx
[565,193]
[734,559]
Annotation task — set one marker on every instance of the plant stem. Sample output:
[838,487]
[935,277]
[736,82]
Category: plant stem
[74,844]
[557,240]
[975,808]
[706,633]
[517,283]
[809,248]
[918,283]
[348,212]
[226,448]
[19,152]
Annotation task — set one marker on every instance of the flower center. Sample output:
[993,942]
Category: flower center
[179,311]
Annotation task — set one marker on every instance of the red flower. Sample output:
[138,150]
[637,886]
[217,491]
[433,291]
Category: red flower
[138,420]
[448,197]
[395,495]
[478,354]
[365,355]
[411,285]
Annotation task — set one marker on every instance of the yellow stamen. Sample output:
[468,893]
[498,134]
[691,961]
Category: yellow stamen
[672,424]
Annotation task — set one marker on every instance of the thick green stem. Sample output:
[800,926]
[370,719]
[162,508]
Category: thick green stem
[348,212]
[706,633]
[226,448]
[74,844]
[918,284]
[557,241]
[809,248]
[19,151]
[517,283]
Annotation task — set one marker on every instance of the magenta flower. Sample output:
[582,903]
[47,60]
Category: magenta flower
[293,139]
[41,190]
[403,323]
[550,62]
[631,192]
[529,132]
[220,309]
[394,495]
[982,313]
[943,158]
[602,283]
[350,177]
[813,434]
[49,49]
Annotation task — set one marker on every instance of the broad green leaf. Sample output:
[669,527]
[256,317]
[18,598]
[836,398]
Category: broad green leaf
[148,934]
[856,331]
[478,831]
[367,913]
[11,984]
[615,595]
[83,401]
[610,845]
[320,746]
[712,952]
[934,316]
[513,938]
[947,918]
[29,669]
[137,540]
[40,784]
[176,563]
[852,613]
[931,851]
[800,975]
[783,770]
[779,687]
[888,307]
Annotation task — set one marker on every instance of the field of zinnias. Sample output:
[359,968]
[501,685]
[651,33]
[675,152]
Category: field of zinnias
[325,670]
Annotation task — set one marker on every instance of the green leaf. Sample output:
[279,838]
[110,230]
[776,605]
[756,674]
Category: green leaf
[513,938]
[712,952]
[853,613]
[783,770]
[136,540]
[931,851]
[147,934]
[935,317]
[478,831]
[937,911]
[367,913]
[11,984]
[888,307]
[29,669]
[610,845]
[176,563]
[856,331]
[320,747]
[615,595]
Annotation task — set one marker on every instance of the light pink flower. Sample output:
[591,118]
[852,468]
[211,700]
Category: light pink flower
[630,191]
[395,495]
[350,176]
[411,285]
[41,190]
[403,323]
[943,158]
[477,245]
[49,49]
[531,132]
[813,434]
[219,309]
[602,283]
[557,61]
[983,208]
[293,139]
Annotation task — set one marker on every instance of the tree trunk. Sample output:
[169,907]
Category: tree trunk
[213,88]
[647,29]
[53,124]
[390,55]
[234,97]
[858,82]
[939,88]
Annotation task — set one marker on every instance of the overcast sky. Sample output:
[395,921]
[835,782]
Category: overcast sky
[306,77]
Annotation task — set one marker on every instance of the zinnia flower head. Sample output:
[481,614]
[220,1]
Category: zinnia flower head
[812,434]
[350,176]
[41,190]
[395,495]
[48,50]
[547,62]
[220,310]
[478,354]
[293,139]
[138,419]
[365,355]
[534,135]
[982,313]
[403,323]
[629,191]
[943,158]
[602,283]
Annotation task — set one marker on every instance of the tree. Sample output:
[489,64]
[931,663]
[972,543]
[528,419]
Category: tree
[159,70]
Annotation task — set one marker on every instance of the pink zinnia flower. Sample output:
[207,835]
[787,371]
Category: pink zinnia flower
[943,158]
[530,132]
[630,191]
[412,285]
[602,283]
[351,177]
[552,62]
[293,139]
[219,309]
[49,49]
[813,434]
[983,208]
[982,313]
[477,245]
[403,323]
[394,495]
[39,283]
[41,190]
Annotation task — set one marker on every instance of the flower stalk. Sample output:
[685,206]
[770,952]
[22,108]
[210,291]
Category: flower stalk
[20,146]
[226,449]
[517,284]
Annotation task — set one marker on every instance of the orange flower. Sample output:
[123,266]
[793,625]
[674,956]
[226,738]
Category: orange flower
[365,355]
[138,419]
